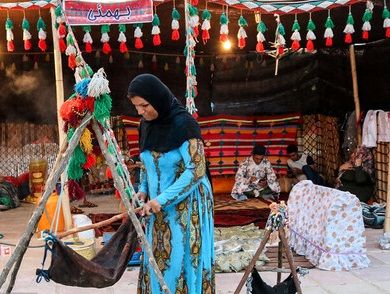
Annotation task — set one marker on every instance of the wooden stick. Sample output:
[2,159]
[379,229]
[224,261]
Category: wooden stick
[253,261]
[137,225]
[59,166]
[355,94]
[290,259]
[386,227]
[280,261]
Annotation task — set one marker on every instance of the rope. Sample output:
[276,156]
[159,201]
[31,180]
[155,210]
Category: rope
[41,273]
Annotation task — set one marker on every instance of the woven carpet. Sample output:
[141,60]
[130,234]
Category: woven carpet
[299,260]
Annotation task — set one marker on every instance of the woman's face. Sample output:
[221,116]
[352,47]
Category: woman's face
[144,108]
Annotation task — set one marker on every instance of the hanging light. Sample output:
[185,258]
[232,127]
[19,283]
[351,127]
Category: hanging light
[227,45]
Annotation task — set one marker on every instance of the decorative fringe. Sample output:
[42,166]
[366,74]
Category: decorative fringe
[103,105]
[86,141]
[156,30]
[261,29]
[82,87]
[122,39]
[75,191]
[386,21]
[349,29]
[137,36]
[224,30]
[367,16]
[105,39]
[296,36]
[175,36]
[87,39]
[26,34]
[328,34]
[98,84]
[9,25]
[310,36]
[78,159]
[41,27]
[90,162]
[241,35]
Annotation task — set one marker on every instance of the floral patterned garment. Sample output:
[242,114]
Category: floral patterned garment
[182,234]
[326,225]
[248,168]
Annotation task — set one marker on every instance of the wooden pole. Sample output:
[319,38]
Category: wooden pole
[60,100]
[58,168]
[386,227]
[355,94]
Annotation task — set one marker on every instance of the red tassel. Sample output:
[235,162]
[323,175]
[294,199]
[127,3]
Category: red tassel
[89,103]
[75,191]
[365,35]
[88,47]
[10,46]
[138,43]
[194,2]
[328,42]
[117,194]
[195,115]
[123,47]
[388,32]
[90,162]
[108,173]
[156,40]
[72,61]
[42,45]
[223,37]
[348,38]
[295,45]
[259,47]
[175,35]
[27,45]
[205,36]
[62,45]
[196,31]
[241,43]
[61,31]
[280,50]
[106,48]
[309,46]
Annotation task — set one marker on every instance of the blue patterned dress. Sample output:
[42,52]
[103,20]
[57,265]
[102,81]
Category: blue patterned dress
[182,234]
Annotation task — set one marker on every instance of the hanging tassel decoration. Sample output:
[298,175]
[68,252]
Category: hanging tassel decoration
[386,20]
[122,39]
[61,29]
[9,25]
[175,36]
[103,105]
[105,39]
[261,29]
[26,34]
[78,159]
[241,35]
[206,26]
[367,16]
[98,84]
[71,52]
[137,36]
[349,29]
[296,36]
[90,161]
[86,141]
[310,36]
[224,30]
[194,20]
[328,34]
[41,27]
[280,40]
[156,30]
[87,39]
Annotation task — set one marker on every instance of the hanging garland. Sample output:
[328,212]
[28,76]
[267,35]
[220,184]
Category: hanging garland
[122,39]
[328,34]
[261,29]
[156,30]
[367,16]
[41,27]
[26,33]
[241,35]
[310,36]
[87,39]
[9,25]
[206,26]
[296,36]
[175,36]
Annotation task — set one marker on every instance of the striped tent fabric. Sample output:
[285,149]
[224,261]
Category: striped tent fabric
[230,139]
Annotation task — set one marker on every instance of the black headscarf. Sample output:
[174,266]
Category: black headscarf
[173,126]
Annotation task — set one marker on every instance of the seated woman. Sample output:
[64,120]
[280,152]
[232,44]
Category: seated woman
[255,177]
[357,175]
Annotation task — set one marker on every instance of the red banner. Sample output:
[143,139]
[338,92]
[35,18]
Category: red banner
[86,12]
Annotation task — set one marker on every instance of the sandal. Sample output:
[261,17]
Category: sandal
[87,204]
[75,210]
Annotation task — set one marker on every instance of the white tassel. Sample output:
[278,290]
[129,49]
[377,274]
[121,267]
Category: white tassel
[60,19]
[328,33]
[386,23]
[296,36]
[26,35]
[155,30]
[70,50]
[42,34]
[105,38]
[87,38]
[137,32]
[175,24]
[194,21]
[349,29]
[310,35]
[260,37]
[241,33]
[224,29]
[121,37]
[206,25]
[10,35]
[98,84]
[77,75]
[366,26]
[281,40]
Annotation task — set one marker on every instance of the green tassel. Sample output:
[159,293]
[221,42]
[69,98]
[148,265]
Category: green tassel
[156,20]
[89,70]
[41,24]
[70,133]
[385,13]
[350,19]
[9,24]
[367,16]
[119,170]
[105,29]
[111,148]
[102,109]
[296,26]
[138,25]
[58,11]
[128,193]
[242,22]
[75,170]
[261,27]
[87,29]
[25,24]
[223,19]
[193,70]
[69,40]
[86,71]
[175,14]
[281,29]
[185,51]
[311,26]
[329,23]
[206,14]
[192,10]
[122,28]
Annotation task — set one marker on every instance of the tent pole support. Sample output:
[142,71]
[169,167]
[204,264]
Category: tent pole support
[355,93]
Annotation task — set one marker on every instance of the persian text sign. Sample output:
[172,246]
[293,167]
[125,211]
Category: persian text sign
[88,12]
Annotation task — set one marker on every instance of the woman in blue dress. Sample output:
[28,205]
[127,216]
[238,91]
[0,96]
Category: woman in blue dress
[177,192]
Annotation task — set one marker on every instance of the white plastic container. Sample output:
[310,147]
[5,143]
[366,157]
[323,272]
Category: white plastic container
[81,220]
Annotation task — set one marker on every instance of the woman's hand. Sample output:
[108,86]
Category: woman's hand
[150,207]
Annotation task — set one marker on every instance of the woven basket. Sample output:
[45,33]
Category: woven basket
[87,249]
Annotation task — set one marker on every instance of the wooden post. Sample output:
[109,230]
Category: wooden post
[355,93]
[386,227]
[60,100]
